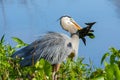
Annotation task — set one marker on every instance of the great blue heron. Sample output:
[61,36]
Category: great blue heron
[53,47]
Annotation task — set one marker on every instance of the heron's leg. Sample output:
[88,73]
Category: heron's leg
[55,68]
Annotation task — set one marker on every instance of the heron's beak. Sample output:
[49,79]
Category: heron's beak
[76,25]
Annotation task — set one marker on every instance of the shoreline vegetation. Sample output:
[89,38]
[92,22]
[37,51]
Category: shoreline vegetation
[69,70]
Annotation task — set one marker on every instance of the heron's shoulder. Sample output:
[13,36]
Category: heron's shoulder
[53,38]
[56,35]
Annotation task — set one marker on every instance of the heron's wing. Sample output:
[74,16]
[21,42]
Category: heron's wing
[53,47]
[23,52]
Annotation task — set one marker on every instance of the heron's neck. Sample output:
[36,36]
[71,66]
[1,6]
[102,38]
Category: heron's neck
[75,42]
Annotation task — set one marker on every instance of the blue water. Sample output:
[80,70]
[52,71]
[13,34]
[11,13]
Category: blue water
[28,19]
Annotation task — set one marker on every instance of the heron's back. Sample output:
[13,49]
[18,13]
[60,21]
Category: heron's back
[53,47]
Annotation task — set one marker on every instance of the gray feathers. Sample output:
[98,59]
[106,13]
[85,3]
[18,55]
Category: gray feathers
[53,47]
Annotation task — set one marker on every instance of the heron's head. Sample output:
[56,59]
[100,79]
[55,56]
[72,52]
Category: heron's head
[69,24]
